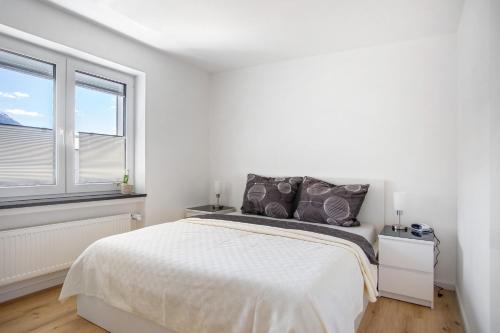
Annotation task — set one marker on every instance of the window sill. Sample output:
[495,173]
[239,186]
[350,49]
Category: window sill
[47,200]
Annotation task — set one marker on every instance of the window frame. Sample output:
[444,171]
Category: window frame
[74,65]
[45,55]
[64,117]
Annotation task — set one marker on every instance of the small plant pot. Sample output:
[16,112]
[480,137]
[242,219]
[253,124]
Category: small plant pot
[126,188]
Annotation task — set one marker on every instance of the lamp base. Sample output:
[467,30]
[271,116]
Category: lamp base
[217,206]
[399,227]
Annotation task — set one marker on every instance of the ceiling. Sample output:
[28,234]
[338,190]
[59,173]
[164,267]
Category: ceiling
[222,35]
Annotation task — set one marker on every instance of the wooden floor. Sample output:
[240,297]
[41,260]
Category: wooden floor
[388,316]
[42,312]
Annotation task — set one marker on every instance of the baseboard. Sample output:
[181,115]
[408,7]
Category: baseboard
[30,286]
[445,285]
[462,311]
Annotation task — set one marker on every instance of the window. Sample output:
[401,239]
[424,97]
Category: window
[65,125]
[27,138]
[99,122]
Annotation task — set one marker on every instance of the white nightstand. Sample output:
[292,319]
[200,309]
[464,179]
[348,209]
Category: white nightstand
[406,266]
[207,209]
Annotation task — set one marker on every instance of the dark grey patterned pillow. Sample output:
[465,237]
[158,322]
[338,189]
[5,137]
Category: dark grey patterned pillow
[322,202]
[273,197]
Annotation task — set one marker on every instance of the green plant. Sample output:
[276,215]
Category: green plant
[125,177]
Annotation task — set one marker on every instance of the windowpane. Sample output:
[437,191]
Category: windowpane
[99,123]
[27,140]
[101,158]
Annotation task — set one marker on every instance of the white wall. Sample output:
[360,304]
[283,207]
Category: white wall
[474,168]
[495,163]
[176,98]
[385,112]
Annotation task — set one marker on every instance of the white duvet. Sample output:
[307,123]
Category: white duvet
[217,276]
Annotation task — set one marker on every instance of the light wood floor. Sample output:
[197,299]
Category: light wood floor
[389,315]
[42,312]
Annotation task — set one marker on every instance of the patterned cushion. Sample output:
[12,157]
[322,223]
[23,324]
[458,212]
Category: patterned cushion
[273,197]
[322,202]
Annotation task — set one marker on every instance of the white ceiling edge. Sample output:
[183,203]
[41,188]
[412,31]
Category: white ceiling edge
[219,36]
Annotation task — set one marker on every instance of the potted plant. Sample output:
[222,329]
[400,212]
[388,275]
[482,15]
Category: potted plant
[125,187]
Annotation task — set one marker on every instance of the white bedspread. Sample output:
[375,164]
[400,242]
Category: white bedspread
[198,275]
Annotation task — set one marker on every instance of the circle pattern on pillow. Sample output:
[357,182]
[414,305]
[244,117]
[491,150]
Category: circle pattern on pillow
[318,189]
[336,208]
[295,180]
[274,209]
[257,192]
[353,188]
[284,187]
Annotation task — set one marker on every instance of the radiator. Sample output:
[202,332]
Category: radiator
[30,252]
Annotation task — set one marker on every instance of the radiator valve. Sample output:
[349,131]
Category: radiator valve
[136,216]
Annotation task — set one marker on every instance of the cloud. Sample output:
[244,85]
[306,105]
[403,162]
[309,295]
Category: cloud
[7,95]
[19,94]
[21,112]
[14,95]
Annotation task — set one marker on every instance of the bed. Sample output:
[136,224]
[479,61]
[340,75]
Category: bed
[230,274]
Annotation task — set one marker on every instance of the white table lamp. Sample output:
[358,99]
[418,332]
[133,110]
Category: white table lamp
[399,202]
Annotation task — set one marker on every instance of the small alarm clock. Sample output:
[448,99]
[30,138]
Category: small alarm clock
[421,228]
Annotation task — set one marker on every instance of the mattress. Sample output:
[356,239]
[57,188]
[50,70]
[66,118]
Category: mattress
[368,231]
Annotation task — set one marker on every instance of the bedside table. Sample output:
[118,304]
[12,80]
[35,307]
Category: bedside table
[406,266]
[207,209]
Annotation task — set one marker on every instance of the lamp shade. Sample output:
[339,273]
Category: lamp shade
[399,200]
[217,187]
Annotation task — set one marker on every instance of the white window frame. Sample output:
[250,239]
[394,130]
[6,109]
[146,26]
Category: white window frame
[64,117]
[74,65]
[42,54]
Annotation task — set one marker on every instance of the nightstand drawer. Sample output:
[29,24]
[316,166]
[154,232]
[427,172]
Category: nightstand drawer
[407,254]
[406,282]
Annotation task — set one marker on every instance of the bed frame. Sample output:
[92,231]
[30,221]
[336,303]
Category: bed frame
[119,321]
